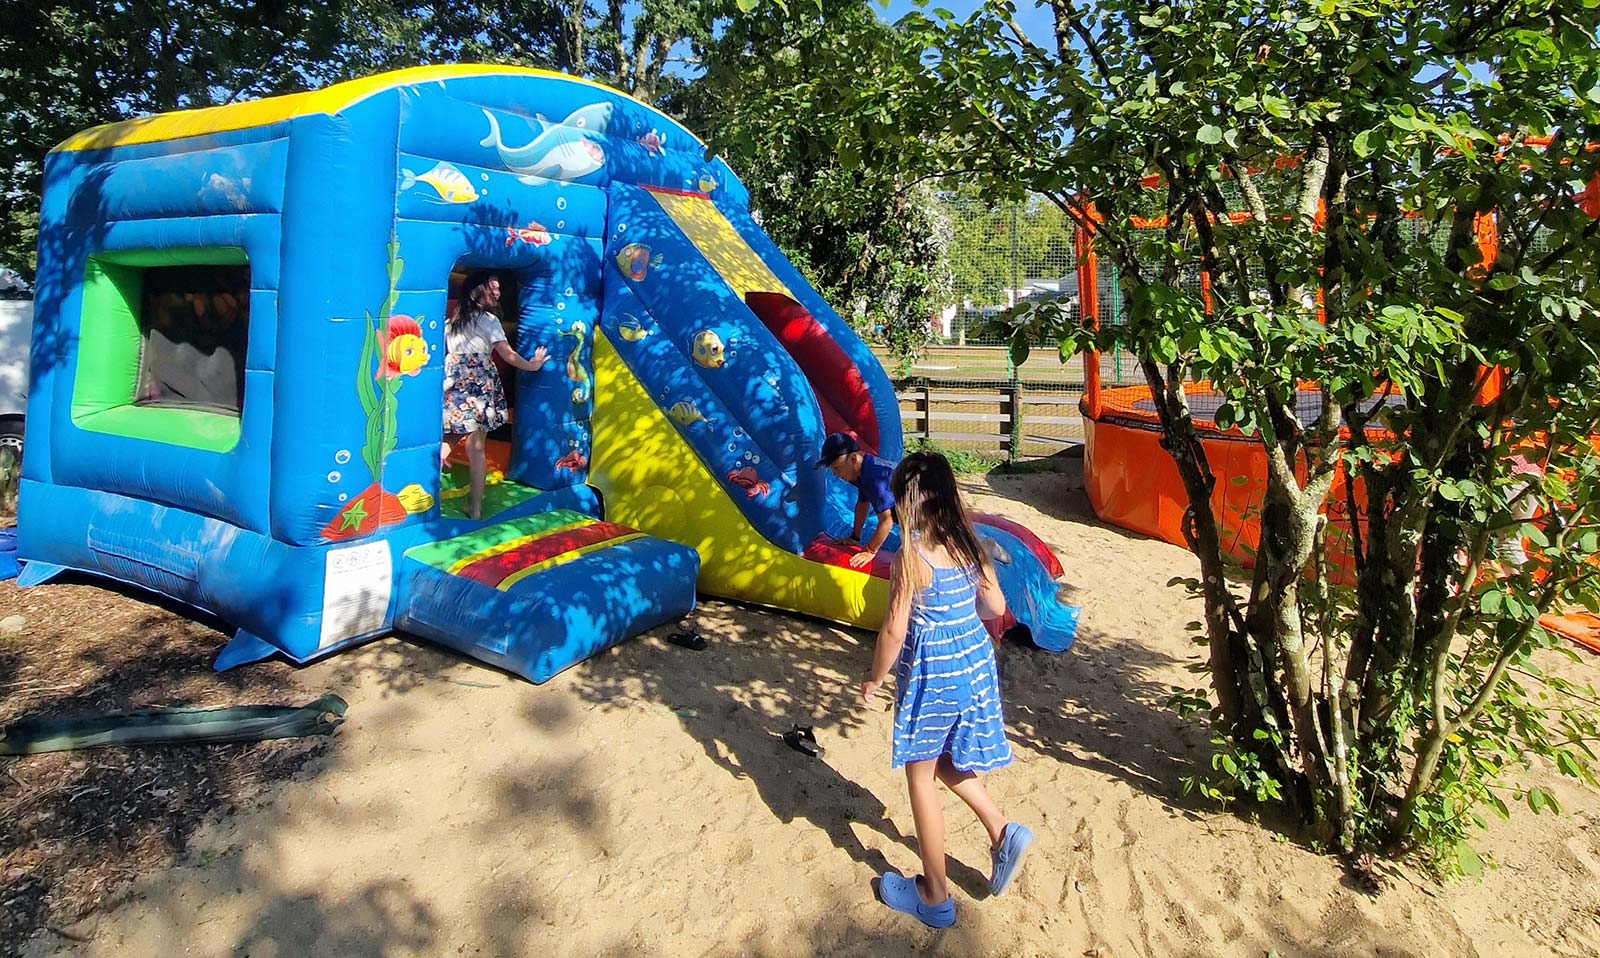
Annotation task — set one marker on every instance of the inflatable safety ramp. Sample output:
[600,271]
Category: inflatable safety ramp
[1024,567]
[538,594]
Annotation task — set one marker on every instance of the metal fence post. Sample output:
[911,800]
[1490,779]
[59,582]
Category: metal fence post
[1116,312]
[1014,447]
[1015,264]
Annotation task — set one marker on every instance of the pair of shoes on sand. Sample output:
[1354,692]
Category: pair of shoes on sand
[901,894]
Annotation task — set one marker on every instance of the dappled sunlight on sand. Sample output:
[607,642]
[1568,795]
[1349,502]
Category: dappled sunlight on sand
[643,804]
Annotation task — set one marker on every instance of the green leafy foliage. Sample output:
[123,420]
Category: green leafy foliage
[66,65]
[1300,193]
[873,244]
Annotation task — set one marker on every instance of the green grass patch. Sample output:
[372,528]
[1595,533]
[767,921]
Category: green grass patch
[963,461]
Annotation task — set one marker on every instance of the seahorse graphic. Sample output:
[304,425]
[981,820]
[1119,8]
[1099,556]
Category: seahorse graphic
[576,371]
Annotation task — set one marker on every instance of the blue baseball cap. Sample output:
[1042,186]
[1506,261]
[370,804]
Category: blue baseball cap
[836,445]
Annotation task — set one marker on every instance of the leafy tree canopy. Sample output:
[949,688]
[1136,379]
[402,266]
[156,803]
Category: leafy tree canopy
[66,65]
[873,244]
[1393,201]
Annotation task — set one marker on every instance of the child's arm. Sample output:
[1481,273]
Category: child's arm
[509,355]
[880,535]
[892,636]
[991,601]
[861,520]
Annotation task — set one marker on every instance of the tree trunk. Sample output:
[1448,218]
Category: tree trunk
[571,49]
[1229,668]
[1289,523]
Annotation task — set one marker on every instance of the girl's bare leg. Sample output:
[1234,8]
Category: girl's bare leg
[970,790]
[477,469]
[929,817]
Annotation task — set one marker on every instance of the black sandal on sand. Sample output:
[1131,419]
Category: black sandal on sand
[692,641]
[802,739]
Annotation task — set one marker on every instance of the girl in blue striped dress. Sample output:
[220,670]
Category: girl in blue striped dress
[948,725]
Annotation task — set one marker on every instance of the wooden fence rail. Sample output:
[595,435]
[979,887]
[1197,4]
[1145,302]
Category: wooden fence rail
[986,419]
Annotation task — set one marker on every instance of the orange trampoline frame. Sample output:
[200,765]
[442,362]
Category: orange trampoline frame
[1133,483]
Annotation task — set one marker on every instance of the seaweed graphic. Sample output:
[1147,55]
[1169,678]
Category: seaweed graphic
[377,389]
[377,392]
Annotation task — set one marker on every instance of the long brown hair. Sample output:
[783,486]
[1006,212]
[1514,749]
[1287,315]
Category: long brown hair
[466,305]
[929,503]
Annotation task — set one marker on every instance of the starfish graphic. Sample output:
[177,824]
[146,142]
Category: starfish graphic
[354,515]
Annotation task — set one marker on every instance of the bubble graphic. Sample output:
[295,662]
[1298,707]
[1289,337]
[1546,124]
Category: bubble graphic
[560,307]
[333,476]
[755,458]
[732,447]
[560,223]
[484,177]
[561,202]
[343,496]
[622,228]
[739,433]
[342,456]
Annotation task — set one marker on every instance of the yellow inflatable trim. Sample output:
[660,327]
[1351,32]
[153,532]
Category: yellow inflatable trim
[653,481]
[253,113]
[563,559]
[457,566]
[732,258]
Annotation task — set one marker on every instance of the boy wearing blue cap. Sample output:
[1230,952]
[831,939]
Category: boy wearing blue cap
[842,456]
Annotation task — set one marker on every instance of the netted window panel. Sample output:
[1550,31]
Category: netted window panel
[193,328]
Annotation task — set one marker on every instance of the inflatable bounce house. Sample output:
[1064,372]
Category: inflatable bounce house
[238,376]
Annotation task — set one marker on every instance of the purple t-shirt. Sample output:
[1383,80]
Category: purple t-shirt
[873,484]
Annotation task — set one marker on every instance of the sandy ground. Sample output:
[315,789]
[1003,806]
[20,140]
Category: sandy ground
[643,805]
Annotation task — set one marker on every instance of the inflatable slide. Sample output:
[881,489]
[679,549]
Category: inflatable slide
[237,376]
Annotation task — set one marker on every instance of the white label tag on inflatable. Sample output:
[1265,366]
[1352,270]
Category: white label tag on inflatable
[355,591]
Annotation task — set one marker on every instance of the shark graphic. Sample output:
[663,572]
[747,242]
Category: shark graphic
[595,118]
[560,151]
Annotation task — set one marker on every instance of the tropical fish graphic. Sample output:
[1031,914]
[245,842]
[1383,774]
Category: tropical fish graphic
[414,499]
[686,413]
[402,347]
[576,371]
[635,261]
[573,461]
[449,183]
[707,184]
[631,329]
[707,350]
[653,142]
[533,234]
[747,479]
[560,152]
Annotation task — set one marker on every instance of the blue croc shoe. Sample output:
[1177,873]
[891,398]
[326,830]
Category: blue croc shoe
[901,895]
[1005,859]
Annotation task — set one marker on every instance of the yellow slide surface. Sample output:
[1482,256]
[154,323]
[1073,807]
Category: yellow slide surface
[720,244]
[654,482]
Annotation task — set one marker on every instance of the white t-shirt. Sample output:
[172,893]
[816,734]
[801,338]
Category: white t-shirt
[475,333]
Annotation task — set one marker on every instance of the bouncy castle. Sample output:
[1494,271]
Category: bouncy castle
[238,376]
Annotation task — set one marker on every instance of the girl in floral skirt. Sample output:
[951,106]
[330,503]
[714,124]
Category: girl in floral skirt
[474,400]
